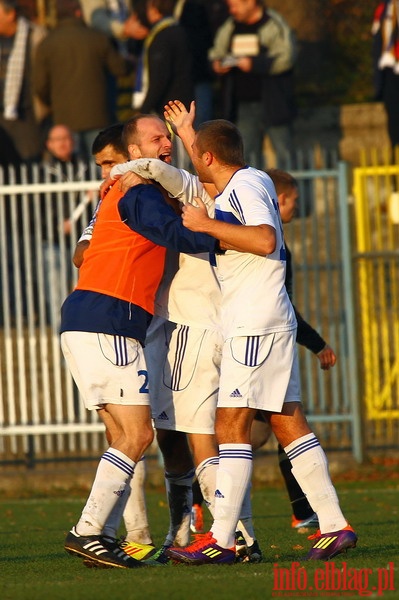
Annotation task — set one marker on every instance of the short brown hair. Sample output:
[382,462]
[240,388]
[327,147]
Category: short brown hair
[223,139]
[283,181]
[130,132]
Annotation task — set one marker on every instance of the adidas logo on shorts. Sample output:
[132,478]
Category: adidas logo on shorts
[236,394]
[163,416]
[218,494]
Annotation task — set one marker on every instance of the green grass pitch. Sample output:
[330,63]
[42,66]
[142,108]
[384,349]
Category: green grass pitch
[34,565]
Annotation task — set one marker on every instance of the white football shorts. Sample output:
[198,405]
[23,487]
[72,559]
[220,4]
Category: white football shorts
[260,372]
[184,369]
[108,369]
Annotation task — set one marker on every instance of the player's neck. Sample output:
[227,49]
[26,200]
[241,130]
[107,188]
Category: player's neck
[223,176]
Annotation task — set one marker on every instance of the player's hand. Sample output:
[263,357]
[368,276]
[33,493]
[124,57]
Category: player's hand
[327,357]
[129,180]
[104,187]
[177,116]
[195,218]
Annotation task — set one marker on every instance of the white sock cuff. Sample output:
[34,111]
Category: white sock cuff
[119,460]
[213,460]
[227,451]
[301,445]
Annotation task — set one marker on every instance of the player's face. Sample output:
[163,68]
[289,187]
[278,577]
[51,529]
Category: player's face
[108,158]
[288,205]
[154,140]
[198,160]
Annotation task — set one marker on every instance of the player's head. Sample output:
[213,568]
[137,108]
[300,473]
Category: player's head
[146,136]
[108,149]
[217,144]
[287,193]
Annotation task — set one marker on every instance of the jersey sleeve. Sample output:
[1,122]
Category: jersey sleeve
[180,184]
[144,210]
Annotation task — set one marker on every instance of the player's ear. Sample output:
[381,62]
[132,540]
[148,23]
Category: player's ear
[282,199]
[134,151]
[208,158]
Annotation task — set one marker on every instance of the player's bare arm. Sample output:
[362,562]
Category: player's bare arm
[80,248]
[129,180]
[182,123]
[255,239]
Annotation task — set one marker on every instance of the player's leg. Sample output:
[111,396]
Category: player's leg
[132,506]
[179,474]
[197,513]
[122,401]
[137,541]
[247,381]
[185,402]
[178,465]
[303,515]
[206,458]
[310,469]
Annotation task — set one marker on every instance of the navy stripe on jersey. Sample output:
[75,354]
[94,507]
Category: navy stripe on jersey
[235,204]
[119,463]
[313,442]
[252,350]
[181,346]
[226,217]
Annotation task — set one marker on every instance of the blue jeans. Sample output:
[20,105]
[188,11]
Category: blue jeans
[250,123]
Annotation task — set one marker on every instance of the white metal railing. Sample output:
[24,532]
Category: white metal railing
[39,404]
[38,206]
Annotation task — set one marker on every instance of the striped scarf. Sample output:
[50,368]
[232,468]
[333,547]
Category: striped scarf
[15,71]
[386,25]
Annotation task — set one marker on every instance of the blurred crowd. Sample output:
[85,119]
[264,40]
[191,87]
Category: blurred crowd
[104,60]
[61,85]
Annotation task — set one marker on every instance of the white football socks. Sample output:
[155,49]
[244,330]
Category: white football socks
[245,524]
[310,469]
[232,480]
[206,475]
[179,493]
[135,513]
[114,473]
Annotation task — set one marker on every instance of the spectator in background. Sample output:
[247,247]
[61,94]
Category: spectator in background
[59,211]
[60,145]
[253,53]
[108,16]
[113,17]
[20,113]
[70,75]
[217,13]
[165,67]
[193,17]
[385,30]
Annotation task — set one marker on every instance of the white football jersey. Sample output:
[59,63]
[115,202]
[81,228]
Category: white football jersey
[189,293]
[254,298]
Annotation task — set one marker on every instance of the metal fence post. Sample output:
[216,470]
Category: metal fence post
[348,291]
